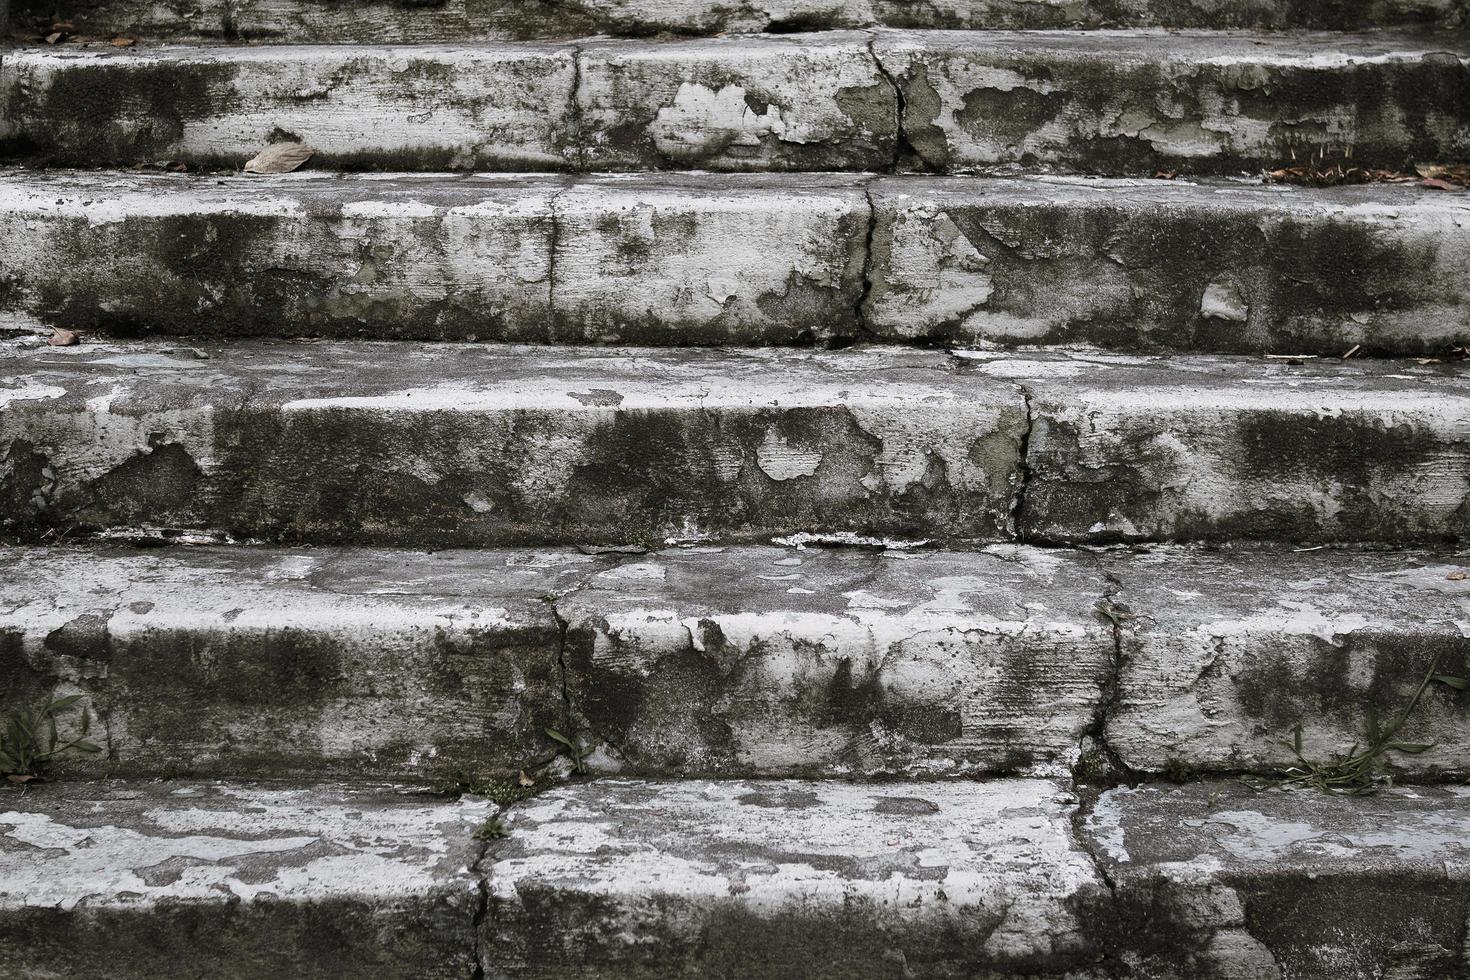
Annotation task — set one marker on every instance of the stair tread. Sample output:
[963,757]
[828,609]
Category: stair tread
[217,879]
[670,259]
[1114,101]
[824,878]
[377,442]
[297,21]
[757,660]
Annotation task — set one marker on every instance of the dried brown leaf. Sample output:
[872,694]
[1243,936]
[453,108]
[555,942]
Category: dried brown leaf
[279,158]
[63,338]
[123,42]
[1458,576]
[1435,184]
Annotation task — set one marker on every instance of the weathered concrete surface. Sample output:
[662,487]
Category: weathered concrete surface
[1111,102]
[304,254]
[762,661]
[142,880]
[1132,449]
[420,107]
[742,259]
[1224,653]
[733,259]
[784,879]
[1128,102]
[1215,881]
[246,662]
[1222,267]
[805,102]
[477,445]
[379,21]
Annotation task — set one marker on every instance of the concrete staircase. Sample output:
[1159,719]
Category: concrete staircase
[929,482]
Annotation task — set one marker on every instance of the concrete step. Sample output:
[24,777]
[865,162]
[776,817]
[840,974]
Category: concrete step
[235,881]
[741,661]
[1124,102]
[462,444]
[1213,266]
[629,879]
[376,21]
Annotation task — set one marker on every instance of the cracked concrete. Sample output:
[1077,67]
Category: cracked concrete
[688,259]
[736,661]
[369,21]
[633,878]
[1120,102]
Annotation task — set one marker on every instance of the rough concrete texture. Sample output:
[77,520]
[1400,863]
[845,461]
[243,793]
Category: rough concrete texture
[1217,882]
[743,259]
[782,879]
[142,880]
[692,260]
[378,21]
[1223,654]
[839,662]
[1223,267]
[805,102]
[246,662]
[1112,102]
[482,445]
[1130,449]
[733,661]
[1128,102]
[493,107]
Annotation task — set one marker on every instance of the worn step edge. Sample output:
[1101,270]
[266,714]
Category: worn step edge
[137,879]
[1121,102]
[373,21]
[631,879]
[487,445]
[751,661]
[742,259]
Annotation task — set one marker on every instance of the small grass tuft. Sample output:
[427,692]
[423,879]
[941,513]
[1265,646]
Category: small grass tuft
[29,741]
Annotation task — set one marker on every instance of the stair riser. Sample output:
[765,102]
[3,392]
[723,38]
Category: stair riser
[479,445]
[779,260]
[292,21]
[1125,104]
[240,663]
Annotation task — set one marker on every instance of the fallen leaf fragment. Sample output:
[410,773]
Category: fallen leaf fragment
[1352,351]
[525,780]
[1435,184]
[279,158]
[1458,576]
[123,42]
[63,338]
[53,38]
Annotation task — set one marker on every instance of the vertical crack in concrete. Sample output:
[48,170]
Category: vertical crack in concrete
[902,148]
[860,308]
[482,910]
[563,627]
[1023,467]
[1099,762]
[554,206]
[579,144]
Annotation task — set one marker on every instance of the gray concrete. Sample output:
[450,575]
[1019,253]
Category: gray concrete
[733,661]
[142,880]
[810,879]
[743,259]
[492,445]
[1225,653]
[1215,882]
[377,21]
[632,879]
[1210,266]
[1128,102]
[494,106]
[245,662]
[1122,102]
[840,662]
[498,445]
[1146,449]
